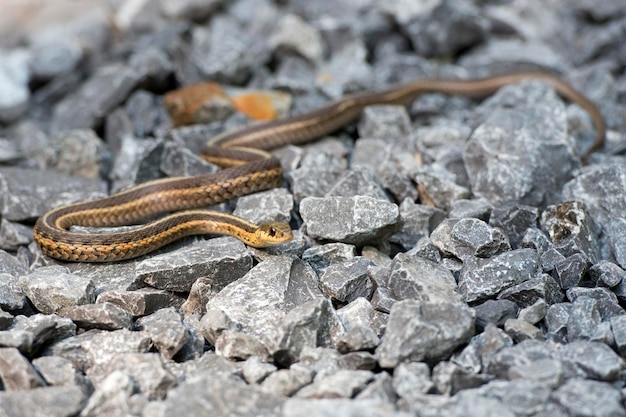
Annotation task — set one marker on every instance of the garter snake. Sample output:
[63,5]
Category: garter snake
[247,168]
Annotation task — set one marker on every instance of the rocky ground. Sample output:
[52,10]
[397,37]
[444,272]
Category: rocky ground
[455,259]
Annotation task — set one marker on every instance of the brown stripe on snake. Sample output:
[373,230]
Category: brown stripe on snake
[248,169]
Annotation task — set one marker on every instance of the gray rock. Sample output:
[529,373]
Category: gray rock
[346,281]
[464,238]
[412,277]
[109,86]
[259,300]
[589,398]
[238,346]
[14,78]
[319,257]
[221,396]
[111,276]
[392,170]
[166,330]
[286,382]
[356,339]
[105,316]
[357,182]
[439,185]
[178,161]
[346,71]
[541,287]
[98,348]
[141,302]
[514,221]
[295,36]
[45,401]
[6,319]
[342,384]
[57,371]
[31,193]
[312,182]
[545,371]
[112,397]
[224,260]
[153,64]
[223,52]
[482,278]
[599,201]
[418,221]
[380,389]
[520,396]
[571,229]
[424,330]
[147,371]
[522,330]
[16,371]
[534,313]
[200,293]
[11,294]
[569,272]
[255,371]
[355,220]
[509,358]
[76,152]
[189,9]
[338,407]
[144,110]
[526,123]
[618,328]
[550,259]
[14,235]
[53,290]
[425,249]
[606,300]
[596,360]
[450,378]
[584,317]
[535,238]
[29,334]
[556,319]
[411,380]
[387,122]
[479,208]
[606,274]
[312,324]
[361,313]
[267,206]
[495,312]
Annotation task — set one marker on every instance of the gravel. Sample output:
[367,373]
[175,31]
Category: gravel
[450,258]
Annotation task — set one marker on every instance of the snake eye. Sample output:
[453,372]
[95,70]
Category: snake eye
[272,232]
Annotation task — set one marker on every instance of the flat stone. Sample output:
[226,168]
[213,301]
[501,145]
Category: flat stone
[606,274]
[166,330]
[495,312]
[413,277]
[589,398]
[44,401]
[29,334]
[483,278]
[357,182]
[607,303]
[141,302]
[106,316]
[347,281]
[596,360]
[223,260]
[354,220]
[522,330]
[53,290]
[16,371]
[469,237]
[319,257]
[57,371]
[441,326]
[31,193]
[267,206]
[239,346]
[540,287]
[342,384]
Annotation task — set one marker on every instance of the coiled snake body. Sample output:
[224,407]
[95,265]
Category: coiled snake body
[248,168]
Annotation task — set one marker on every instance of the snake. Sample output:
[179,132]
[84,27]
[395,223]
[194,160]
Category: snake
[247,167]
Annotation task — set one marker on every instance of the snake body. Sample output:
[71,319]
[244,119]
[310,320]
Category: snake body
[248,169]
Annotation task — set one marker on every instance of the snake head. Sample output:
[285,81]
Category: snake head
[273,233]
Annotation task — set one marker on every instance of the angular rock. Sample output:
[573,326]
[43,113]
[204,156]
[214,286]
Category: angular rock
[105,316]
[356,339]
[607,303]
[16,372]
[478,208]
[483,278]
[583,319]
[357,182]
[520,330]
[596,360]
[589,398]
[534,313]
[606,274]
[569,272]
[53,290]
[618,329]
[424,330]
[11,294]
[141,302]
[57,371]
[255,371]
[166,330]
[340,407]
[418,221]
[224,260]
[361,313]
[258,301]
[267,206]
[438,185]
[319,257]
[354,220]
[572,230]
[45,401]
[294,35]
[514,221]
[14,78]
[346,281]
[464,238]
[541,287]
[411,380]
[236,345]
[342,384]
[111,397]
[147,371]
[412,277]
[287,382]
[311,324]
[495,312]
